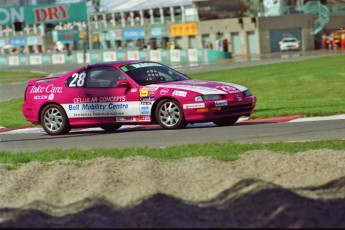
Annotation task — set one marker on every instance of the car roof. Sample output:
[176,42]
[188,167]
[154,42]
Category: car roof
[109,63]
[117,63]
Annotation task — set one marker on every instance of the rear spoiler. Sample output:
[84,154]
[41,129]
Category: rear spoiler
[36,81]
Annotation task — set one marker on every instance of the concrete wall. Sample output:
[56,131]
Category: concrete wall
[228,27]
[301,22]
[336,22]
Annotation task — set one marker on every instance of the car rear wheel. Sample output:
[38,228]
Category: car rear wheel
[110,128]
[226,121]
[54,120]
[169,115]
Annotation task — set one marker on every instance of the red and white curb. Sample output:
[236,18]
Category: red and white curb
[293,118]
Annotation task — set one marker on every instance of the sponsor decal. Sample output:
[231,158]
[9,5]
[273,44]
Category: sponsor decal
[100,99]
[146,103]
[144,93]
[145,110]
[195,88]
[142,99]
[239,98]
[227,88]
[152,91]
[141,65]
[112,99]
[85,100]
[194,106]
[40,97]
[46,89]
[96,106]
[143,118]
[99,109]
[44,97]
[179,93]
[164,91]
[221,103]
[125,119]
[51,97]
[133,90]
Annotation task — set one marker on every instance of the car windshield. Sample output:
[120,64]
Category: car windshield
[289,40]
[146,73]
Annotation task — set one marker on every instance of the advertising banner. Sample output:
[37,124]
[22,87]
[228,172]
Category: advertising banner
[159,31]
[175,56]
[33,40]
[58,59]
[17,41]
[33,14]
[3,42]
[13,60]
[192,55]
[113,35]
[3,60]
[133,33]
[133,55]
[65,35]
[165,55]
[184,29]
[155,55]
[95,57]
[109,56]
[24,60]
[46,59]
[121,55]
[144,55]
[35,59]
[184,55]
[70,58]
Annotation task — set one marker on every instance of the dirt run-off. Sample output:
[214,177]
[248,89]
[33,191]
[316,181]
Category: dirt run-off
[260,189]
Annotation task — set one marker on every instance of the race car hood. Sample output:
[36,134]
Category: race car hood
[203,87]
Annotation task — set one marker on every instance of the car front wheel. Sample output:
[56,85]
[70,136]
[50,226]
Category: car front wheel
[226,121]
[170,115]
[54,120]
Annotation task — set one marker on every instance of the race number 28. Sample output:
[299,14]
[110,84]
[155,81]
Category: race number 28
[78,80]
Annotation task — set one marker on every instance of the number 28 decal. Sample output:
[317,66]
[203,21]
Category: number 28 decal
[78,80]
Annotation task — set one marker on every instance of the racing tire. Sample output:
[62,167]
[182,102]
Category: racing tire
[169,114]
[54,120]
[110,128]
[226,121]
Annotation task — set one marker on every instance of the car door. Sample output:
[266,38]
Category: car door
[105,100]
[100,101]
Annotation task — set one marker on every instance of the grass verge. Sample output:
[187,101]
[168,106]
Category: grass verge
[13,76]
[216,151]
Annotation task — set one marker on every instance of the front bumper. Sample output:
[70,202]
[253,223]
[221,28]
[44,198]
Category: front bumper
[211,112]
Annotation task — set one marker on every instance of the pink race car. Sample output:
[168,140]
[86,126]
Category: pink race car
[112,94]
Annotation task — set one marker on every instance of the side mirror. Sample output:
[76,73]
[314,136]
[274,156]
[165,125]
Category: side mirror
[122,84]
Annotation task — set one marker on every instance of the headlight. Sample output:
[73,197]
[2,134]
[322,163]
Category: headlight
[247,93]
[211,97]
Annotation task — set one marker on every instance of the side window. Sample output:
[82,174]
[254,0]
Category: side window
[103,77]
[77,80]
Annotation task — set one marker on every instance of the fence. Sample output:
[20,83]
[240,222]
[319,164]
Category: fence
[168,56]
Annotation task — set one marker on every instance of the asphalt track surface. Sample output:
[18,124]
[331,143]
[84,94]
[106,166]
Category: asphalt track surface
[244,131]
